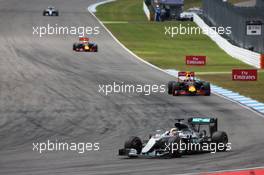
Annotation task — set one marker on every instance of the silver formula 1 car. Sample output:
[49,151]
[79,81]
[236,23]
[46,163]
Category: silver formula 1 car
[50,11]
[186,138]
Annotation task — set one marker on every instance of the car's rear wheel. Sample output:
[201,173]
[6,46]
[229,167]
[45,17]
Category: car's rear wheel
[74,46]
[170,85]
[220,137]
[95,49]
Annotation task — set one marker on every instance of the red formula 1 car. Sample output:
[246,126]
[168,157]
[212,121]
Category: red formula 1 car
[85,46]
[188,85]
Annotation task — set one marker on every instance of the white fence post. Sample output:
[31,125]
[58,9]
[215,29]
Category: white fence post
[146,10]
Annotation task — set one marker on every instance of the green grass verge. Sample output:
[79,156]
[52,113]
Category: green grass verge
[250,89]
[148,41]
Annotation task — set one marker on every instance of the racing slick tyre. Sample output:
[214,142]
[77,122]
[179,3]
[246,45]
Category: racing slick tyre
[95,49]
[176,88]
[207,89]
[134,143]
[220,138]
[170,85]
[54,14]
[74,46]
[174,145]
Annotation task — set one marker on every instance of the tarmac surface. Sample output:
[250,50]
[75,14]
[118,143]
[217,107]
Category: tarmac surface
[49,92]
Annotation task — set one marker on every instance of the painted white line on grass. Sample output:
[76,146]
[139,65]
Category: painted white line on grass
[114,22]
[211,73]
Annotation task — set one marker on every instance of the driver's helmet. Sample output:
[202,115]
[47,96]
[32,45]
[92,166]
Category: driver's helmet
[188,76]
[173,131]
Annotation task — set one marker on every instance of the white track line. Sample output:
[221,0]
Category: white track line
[92,8]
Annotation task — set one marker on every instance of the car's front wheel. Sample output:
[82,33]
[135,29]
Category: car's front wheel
[74,46]
[207,88]
[174,144]
[95,48]
[134,143]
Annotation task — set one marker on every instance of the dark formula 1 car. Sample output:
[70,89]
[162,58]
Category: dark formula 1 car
[186,138]
[85,46]
[188,85]
[51,11]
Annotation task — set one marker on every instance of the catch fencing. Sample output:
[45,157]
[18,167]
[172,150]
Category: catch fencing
[219,13]
[247,56]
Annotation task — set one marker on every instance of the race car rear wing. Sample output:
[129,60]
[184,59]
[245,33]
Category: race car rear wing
[202,120]
[212,122]
[186,75]
[84,39]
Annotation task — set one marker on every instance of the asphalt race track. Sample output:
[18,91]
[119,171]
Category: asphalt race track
[47,91]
